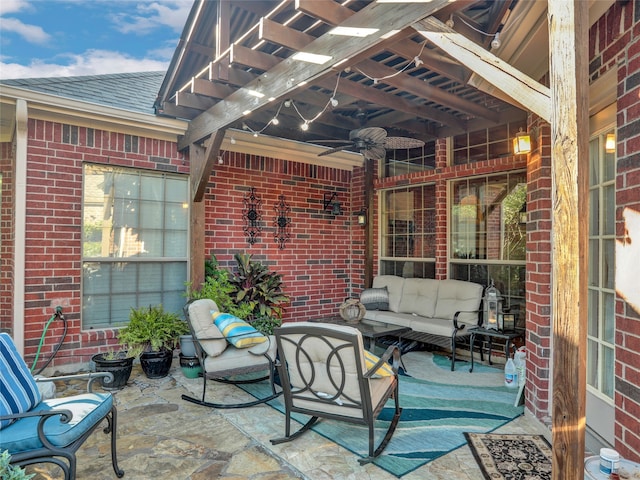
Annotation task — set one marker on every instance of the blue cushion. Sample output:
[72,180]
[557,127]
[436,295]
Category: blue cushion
[237,332]
[18,390]
[87,409]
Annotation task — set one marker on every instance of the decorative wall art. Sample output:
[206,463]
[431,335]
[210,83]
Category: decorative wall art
[282,222]
[251,216]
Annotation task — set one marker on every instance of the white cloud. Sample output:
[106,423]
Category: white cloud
[13,6]
[170,13]
[31,33]
[91,62]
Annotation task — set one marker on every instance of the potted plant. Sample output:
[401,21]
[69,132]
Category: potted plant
[156,332]
[119,363]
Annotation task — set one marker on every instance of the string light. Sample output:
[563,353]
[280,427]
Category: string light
[414,61]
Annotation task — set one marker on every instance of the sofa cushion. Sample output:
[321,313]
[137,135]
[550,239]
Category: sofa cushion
[458,295]
[18,390]
[419,296]
[375,298]
[394,286]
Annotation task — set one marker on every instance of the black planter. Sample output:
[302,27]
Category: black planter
[119,367]
[156,364]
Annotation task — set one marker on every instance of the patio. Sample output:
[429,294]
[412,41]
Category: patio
[162,436]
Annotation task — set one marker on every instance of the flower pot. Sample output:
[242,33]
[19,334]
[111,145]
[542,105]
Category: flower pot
[190,366]
[156,364]
[119,367]
[187,347]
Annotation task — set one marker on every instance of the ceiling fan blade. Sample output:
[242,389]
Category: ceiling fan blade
[369,134]
[334,150]
[394,143]
[375,153]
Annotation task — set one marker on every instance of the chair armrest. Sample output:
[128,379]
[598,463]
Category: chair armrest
[64,414]
[90,376]
[392,350]
[455,318]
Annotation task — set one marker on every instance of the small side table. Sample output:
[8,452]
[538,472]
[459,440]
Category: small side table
[508,336]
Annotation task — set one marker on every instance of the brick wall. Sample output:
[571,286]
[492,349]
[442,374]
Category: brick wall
[325,251]
[53,267]
[7,155]
[619,35]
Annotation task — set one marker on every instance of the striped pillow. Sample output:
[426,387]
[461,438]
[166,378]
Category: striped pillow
[237,332]
[18,390]
[370,360]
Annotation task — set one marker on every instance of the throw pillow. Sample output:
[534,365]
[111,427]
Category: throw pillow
[375,298]
[237,332]
[18,390]
[370,360]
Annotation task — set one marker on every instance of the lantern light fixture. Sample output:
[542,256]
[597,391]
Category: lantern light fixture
[610,143]
[522,143]
[361,217]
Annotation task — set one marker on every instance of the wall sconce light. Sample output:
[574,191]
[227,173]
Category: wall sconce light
[610,143]
[522,143]
[361,217]
[331,203]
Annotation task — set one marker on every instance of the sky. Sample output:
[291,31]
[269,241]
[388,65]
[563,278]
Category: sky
[55,38]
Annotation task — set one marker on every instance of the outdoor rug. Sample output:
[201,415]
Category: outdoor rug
[511,457]
[434,418]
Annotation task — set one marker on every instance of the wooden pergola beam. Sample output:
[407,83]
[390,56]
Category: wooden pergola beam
[515,84]
[287,77]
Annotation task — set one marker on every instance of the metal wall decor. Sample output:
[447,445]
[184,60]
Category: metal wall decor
[282,222]
[251,216]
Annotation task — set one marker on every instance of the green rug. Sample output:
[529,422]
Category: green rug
[435,415]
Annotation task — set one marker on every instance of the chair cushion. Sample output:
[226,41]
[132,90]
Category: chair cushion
[237,332]
[370,360]
[18,390]
[203,328]
[375,298]
[87,409]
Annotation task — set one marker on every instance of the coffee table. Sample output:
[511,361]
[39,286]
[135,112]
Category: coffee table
[370,329]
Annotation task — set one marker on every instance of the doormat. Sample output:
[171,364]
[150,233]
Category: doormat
[511,457]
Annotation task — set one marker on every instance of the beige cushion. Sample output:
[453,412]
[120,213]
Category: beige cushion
[237,358]
[203,326]
[457,295]
[394,285]
[419,296]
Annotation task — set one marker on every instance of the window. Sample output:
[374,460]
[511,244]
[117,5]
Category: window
[408,232]
[487,235]
[70,134]
[494,142]
[601,311]
[134,242]
[404,161]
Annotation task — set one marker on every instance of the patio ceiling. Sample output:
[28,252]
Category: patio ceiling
[237,57]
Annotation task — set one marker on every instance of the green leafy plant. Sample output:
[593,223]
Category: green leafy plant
[259,287]
[12,472]
[152,328]
[252,292]
[122,353]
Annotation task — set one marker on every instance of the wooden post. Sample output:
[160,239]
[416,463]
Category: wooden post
[196,221]
[369,203]
[568,29]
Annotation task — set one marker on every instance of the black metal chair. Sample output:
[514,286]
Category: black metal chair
[324,374]
[225,363]
[49,430]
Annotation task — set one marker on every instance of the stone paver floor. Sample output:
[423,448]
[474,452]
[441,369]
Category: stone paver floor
[161,436]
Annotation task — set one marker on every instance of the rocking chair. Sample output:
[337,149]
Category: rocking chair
[222,362]
[324,373]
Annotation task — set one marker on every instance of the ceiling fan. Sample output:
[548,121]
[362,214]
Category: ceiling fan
[372,143]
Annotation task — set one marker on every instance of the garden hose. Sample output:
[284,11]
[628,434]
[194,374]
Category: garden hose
[58,314]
